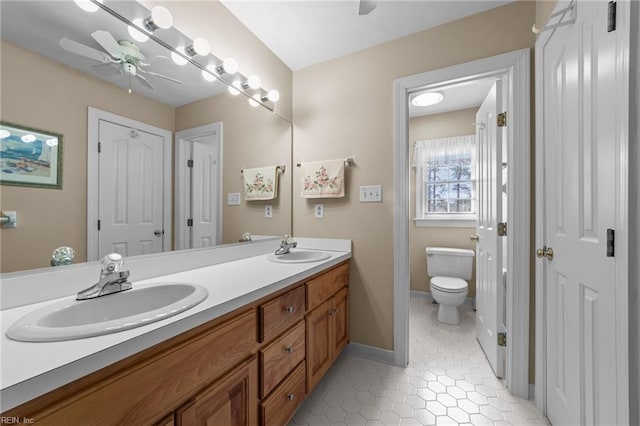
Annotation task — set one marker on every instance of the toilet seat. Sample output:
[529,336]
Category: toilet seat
[449,284]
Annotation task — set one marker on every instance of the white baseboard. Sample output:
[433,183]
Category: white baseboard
[369,352]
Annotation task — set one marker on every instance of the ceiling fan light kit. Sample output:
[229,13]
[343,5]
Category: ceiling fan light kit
[125,57]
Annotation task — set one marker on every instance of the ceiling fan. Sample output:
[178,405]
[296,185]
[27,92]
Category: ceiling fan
[119,57]
[366,6]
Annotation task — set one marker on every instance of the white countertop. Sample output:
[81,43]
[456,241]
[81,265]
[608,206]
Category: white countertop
[32,369]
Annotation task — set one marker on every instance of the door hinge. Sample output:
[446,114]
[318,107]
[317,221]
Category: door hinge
[189,222]
[502,339]
[611,18]
[502,119]
[611,243]
[99,223]
[99,147]
[502,229]
[189,163]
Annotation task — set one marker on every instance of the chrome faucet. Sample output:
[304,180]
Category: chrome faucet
[112,279]
[286,245]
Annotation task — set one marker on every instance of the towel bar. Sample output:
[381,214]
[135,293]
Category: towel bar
[347,161]
[282,168]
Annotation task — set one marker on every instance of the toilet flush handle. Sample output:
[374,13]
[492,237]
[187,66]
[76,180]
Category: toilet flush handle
[474,237]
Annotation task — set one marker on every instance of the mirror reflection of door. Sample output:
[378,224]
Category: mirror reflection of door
[130,191]
[198,186]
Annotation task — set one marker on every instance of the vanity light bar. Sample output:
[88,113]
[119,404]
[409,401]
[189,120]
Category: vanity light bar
[260,97]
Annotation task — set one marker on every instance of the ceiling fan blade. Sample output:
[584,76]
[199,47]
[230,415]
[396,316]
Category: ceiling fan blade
[144,81]
[367,6]
[108,43]
[83,50]
[155,74]
[108,69]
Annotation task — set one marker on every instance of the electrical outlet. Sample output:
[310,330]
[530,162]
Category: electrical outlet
[268,211]
[318,211]
[233,199]
[371,194]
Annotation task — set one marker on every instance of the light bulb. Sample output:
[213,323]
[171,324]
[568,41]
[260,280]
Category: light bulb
[254,103]
[254,81]
[273,95]
[135,33]
[200,46]
[229,66]
[28,138]
[235,87]
[4,134]
[162,17]
[177,59]
[88,6]
[52,142]
[427,99]
[209,76]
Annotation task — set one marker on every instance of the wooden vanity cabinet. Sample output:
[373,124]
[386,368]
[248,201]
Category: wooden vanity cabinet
[327,321]
[252,366]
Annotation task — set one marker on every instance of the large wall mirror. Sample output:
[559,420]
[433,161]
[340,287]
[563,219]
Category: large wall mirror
[51,85]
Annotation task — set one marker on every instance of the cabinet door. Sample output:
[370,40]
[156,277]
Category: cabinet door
[319,343]
[340,321]
[230,401]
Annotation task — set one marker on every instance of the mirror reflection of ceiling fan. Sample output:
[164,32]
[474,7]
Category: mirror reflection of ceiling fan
[119,57]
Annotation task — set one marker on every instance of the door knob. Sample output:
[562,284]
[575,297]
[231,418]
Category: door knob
[158,232]
[545,252]
[474,237]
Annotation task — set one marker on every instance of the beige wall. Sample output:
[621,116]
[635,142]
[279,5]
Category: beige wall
[448,124]
[344,107]
[49,218]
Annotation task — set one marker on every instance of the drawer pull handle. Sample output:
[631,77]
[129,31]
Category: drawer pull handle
[290,397]
[289,349]
[289,309]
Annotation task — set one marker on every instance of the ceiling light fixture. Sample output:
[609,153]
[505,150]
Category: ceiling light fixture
[200,46]
[88,5]
[160,18]
[135,33]
[427,99]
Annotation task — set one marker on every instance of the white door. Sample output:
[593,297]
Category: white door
[130,200]
[489,288]
[204,194]
[585,378]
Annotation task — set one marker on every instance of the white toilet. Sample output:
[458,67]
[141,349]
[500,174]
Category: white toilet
[449,269]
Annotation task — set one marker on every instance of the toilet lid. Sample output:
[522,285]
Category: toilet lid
[449,284]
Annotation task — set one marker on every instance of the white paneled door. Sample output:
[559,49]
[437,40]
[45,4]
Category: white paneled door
[489,289]
[130,191]
[204,194]
[585,348]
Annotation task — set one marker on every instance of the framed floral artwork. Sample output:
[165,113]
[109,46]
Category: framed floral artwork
[30,157]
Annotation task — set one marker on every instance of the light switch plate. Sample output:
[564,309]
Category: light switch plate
[268,211]
[371,194]
[318,211]
[233,199]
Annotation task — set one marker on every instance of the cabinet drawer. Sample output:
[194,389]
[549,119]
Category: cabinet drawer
[326,285]
[278,408]
[280,357]
[281,313]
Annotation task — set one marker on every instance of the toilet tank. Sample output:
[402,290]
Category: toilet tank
[449,262]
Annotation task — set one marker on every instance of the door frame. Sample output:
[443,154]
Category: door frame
[517,65]
[181,180]
[624,246]
[95,115]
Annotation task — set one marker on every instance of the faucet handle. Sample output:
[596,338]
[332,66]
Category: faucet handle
[112,262]
[288,239]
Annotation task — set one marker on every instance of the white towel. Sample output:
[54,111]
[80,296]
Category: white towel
[323,179]
[260,183]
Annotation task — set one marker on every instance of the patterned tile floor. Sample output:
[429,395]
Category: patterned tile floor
[448,382]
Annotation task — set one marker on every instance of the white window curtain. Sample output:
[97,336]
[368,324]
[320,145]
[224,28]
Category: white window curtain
[426,150]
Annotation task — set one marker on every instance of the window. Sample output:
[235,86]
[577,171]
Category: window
[445,186]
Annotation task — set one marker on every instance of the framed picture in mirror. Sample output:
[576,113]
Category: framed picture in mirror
[30,157]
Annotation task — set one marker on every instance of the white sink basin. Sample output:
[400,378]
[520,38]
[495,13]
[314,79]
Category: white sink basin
[73,319]
[300,256]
